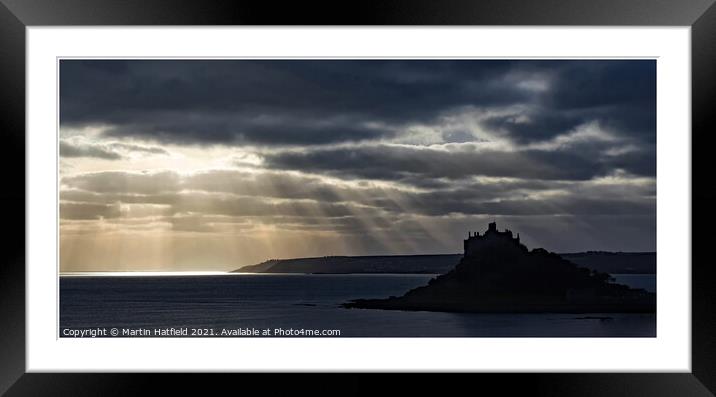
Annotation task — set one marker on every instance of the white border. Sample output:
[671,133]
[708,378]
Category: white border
[669,351]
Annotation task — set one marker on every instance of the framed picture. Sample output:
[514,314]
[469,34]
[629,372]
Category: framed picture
[485,197]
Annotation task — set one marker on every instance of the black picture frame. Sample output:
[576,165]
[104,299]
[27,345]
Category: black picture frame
[700,15]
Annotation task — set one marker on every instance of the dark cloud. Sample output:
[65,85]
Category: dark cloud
[285,102]
[406,163]
[605,84]
[214,127]
[638,162]
[68,150]
[619,94]
[540,124]
[325,101]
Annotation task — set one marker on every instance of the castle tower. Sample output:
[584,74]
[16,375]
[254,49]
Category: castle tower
[492,239]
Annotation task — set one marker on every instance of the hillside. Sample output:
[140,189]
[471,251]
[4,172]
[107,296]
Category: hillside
[430,264]
[615,262]
[609,262]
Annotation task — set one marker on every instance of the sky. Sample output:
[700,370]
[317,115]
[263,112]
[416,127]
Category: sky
[214,164]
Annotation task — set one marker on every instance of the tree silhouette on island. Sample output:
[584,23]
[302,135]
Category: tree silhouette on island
[498,274]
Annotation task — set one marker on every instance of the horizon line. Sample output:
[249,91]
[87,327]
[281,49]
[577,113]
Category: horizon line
[234,270]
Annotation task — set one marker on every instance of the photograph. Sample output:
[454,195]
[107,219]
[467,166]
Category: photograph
[341,197]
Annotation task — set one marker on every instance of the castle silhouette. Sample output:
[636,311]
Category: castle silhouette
[475,243]
[497,273]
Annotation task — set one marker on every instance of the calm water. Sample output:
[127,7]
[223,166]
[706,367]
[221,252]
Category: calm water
[296,302]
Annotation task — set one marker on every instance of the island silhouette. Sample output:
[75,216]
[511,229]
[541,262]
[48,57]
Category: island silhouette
[498,274]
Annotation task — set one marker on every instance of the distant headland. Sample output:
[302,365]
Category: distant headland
[497,273]
[609,262]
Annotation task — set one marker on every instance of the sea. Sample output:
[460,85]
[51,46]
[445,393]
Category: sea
[302,305]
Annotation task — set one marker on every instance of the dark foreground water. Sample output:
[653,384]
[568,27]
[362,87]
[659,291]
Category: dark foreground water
[302,305]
